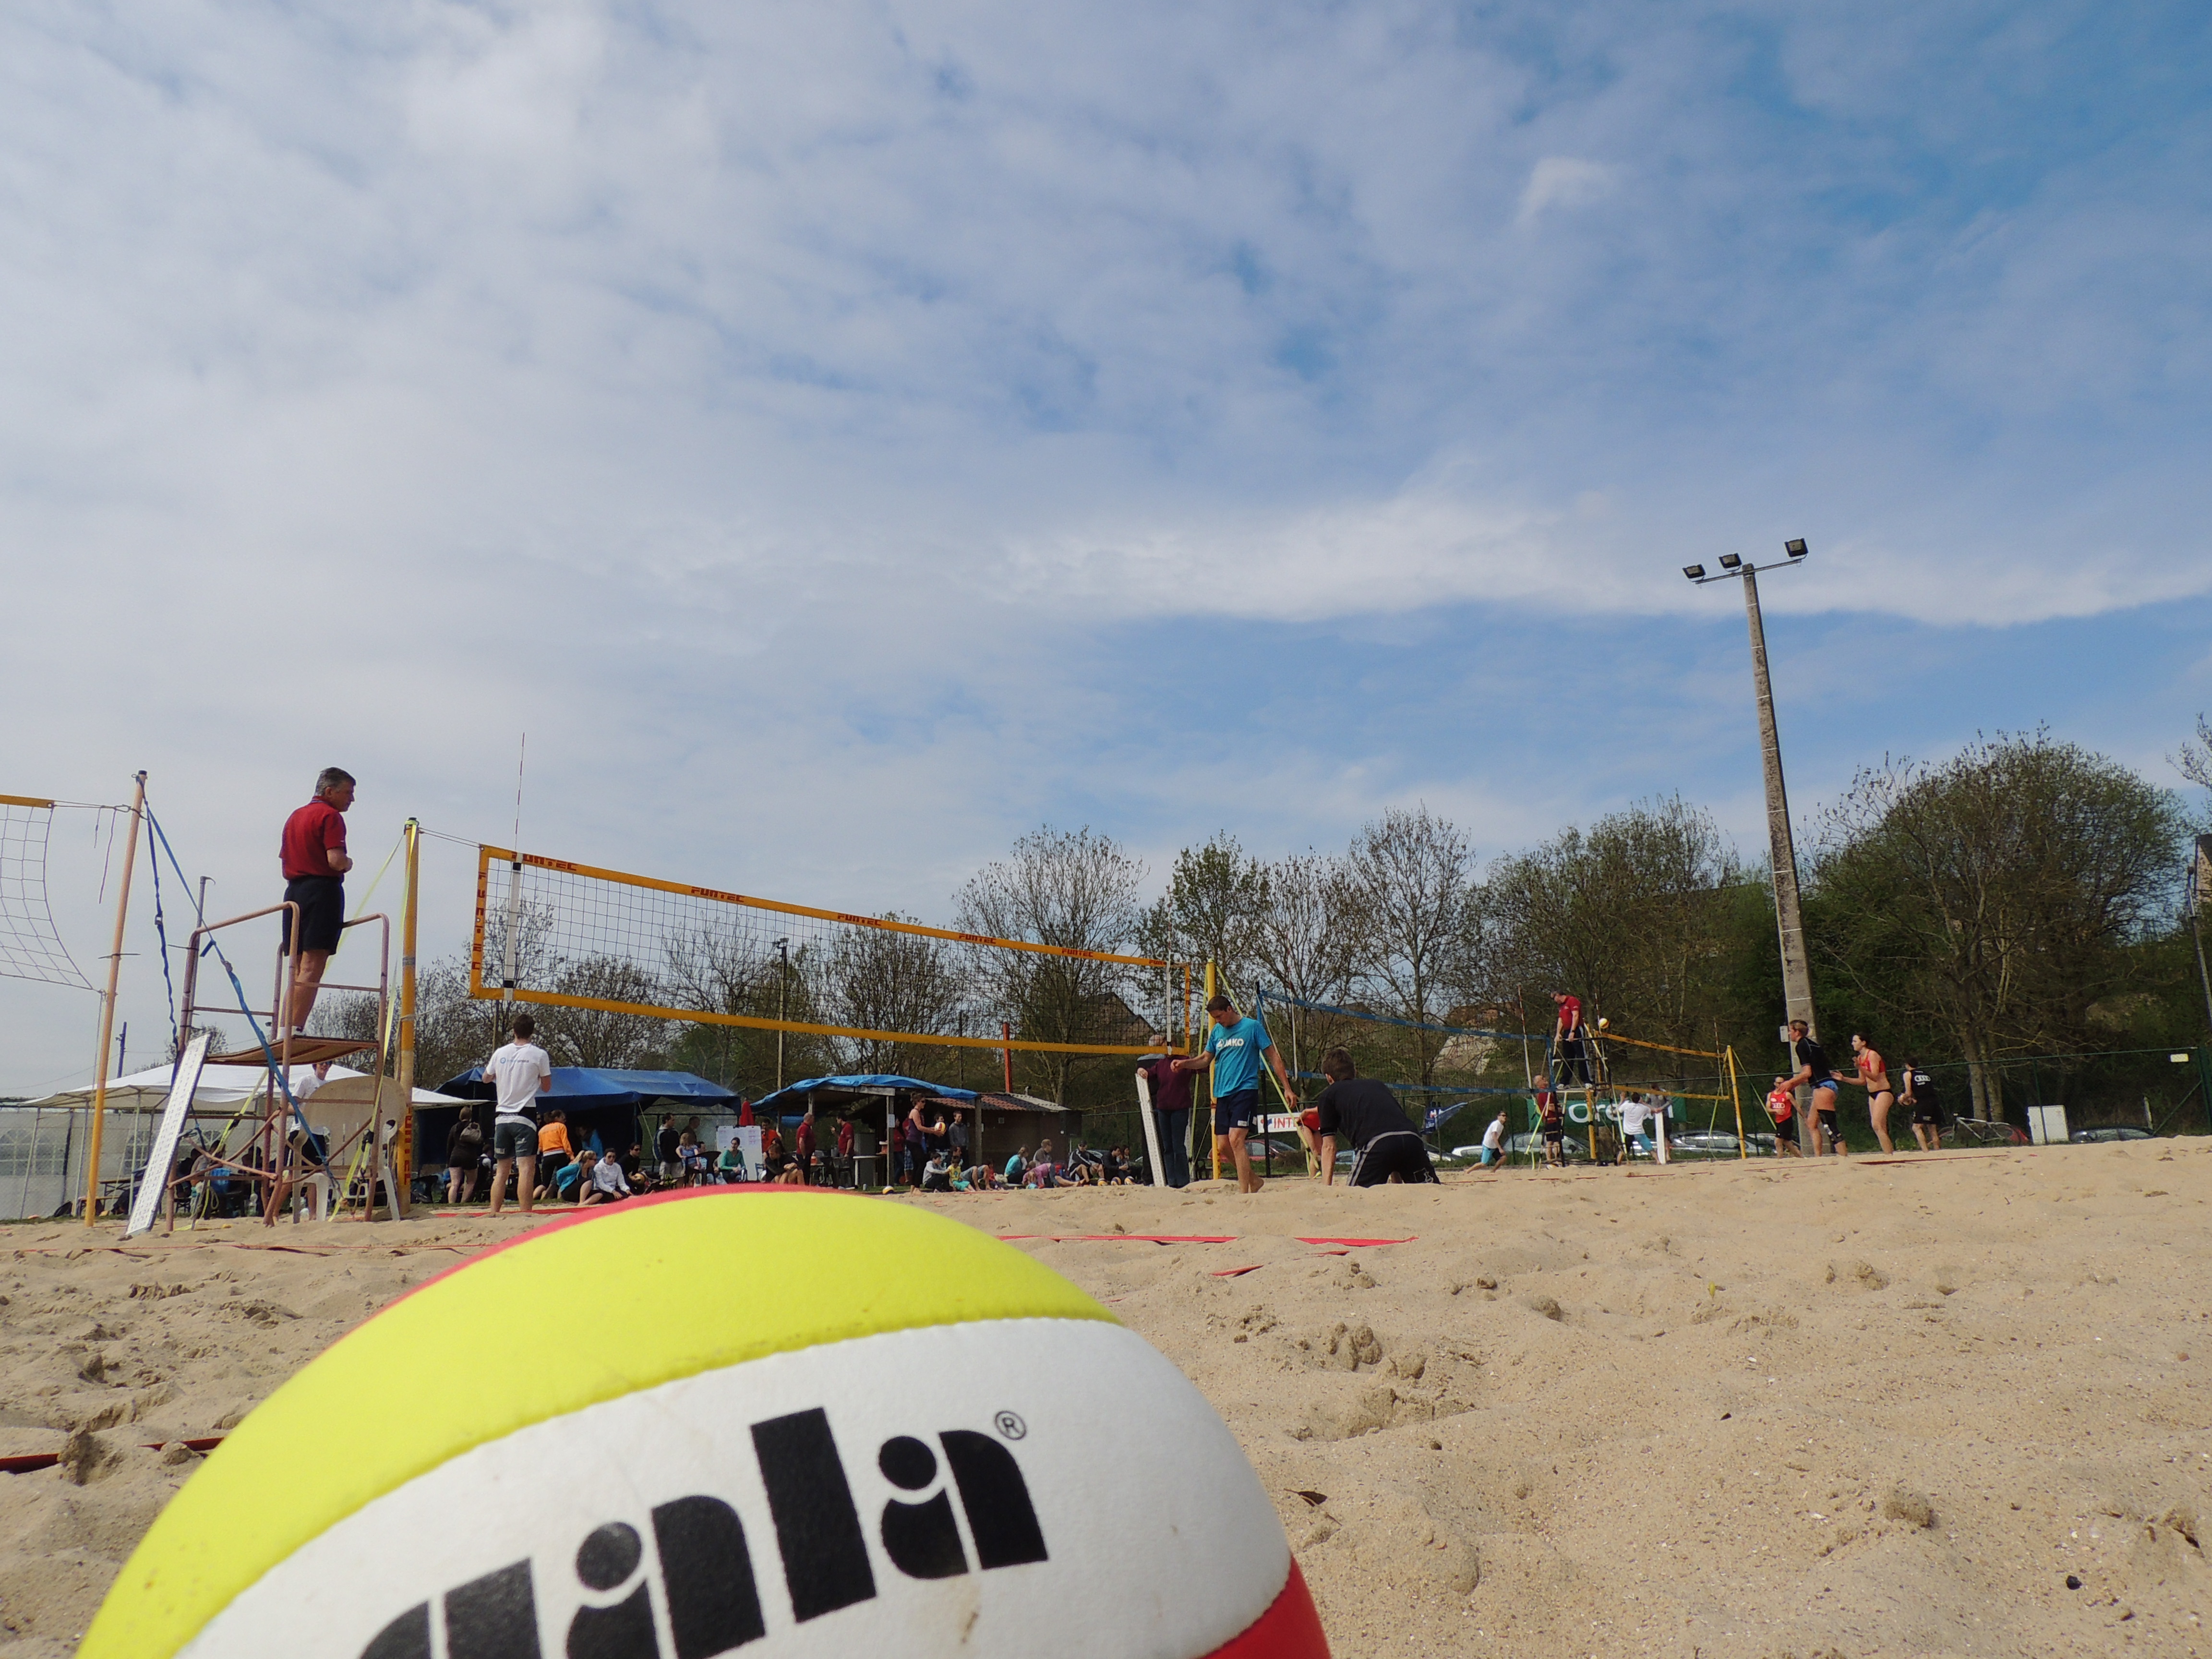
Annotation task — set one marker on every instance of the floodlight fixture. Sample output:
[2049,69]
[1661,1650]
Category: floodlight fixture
[1731,561]
[1696,572]
[1795,549]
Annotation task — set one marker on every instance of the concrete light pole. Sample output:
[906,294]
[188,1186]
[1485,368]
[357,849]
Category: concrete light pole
[1782,848]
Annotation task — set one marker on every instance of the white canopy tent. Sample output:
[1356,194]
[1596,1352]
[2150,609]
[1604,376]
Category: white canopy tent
[222,1087]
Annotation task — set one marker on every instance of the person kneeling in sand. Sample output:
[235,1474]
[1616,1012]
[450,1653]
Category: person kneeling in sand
[604,1182]
[1365,1112]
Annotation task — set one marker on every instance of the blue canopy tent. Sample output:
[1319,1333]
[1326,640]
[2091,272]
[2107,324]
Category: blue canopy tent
[602,1104]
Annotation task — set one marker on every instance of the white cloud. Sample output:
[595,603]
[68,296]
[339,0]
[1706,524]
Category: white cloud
[1564,181]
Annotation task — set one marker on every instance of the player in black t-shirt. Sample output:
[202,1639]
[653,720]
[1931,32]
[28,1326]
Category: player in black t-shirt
[1927,1116]
[1366,1114]
[1813,1068]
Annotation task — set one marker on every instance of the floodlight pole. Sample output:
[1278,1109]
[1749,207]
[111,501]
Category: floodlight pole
[2199,868]
[1781,848]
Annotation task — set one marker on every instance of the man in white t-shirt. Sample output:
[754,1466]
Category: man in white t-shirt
[520,1072]
[1493,1141]
[1633,1112]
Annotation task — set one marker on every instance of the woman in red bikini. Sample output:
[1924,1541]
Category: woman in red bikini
[1874,1078]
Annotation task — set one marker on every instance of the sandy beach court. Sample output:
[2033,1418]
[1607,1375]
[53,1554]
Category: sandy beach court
[1950,1405]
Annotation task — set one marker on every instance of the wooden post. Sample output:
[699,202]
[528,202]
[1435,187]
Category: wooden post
[1007,1032]
[107,1004]
[403,1147]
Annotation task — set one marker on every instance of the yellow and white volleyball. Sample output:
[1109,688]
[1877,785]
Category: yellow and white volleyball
[770,1424]
[1603,1022]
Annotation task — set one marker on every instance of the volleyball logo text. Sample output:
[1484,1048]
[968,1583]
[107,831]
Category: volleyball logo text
[706,1573]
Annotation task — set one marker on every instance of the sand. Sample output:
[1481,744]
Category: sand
[1876,1408]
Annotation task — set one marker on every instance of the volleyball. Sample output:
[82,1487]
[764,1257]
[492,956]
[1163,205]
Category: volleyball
[1603,1023]
[779,1422]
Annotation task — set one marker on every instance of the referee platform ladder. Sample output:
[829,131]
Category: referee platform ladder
[293,1141]
[1590,1068]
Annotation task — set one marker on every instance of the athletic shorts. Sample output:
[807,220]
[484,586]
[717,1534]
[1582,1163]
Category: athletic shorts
[1236,1111]
[1831,1085]
[1927,1117]
[514,1137]
[321,900]
[1399,1153]
[1554,1137]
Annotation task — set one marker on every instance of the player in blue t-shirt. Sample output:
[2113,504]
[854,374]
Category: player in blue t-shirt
[1233,1049]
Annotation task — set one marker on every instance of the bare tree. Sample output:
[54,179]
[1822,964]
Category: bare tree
[1408,879]
[1211,910]
[876,979]
[578,1035]
[1306,942]
[2195,759]
[1075,889]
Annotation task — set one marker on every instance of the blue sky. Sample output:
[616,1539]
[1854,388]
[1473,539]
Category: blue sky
[843,439]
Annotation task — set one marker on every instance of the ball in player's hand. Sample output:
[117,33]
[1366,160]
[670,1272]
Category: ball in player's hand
[760,1422]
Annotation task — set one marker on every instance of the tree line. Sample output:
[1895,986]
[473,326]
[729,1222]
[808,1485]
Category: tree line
[2020,898]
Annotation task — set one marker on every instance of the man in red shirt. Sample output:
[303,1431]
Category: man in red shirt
[1567,1039]
[313,851]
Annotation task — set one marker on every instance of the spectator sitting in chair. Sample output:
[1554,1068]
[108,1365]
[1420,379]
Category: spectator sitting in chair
[693,1158]
[731,1163]
[639,1172]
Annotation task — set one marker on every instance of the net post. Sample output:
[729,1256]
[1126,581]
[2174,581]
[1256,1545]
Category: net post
[1742,1148]
[402,1149]
[1209,987]
[107,1004]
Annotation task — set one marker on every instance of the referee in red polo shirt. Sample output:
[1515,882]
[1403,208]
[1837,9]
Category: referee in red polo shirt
[315,863]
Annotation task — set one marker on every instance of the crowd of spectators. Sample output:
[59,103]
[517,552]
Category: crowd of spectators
[925,1148]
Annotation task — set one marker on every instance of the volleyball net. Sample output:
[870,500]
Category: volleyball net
[874,987]
[1468,1071]
[30,946]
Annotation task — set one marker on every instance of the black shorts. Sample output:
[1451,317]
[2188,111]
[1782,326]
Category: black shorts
[1236,1111]
[1554,1137]
[321,900]
[1399,1153]
[1925,1117]
[514,1136]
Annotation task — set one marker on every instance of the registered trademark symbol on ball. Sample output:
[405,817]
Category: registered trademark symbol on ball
[1010,1424]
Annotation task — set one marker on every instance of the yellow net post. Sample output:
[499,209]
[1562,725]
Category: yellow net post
[1743,1146]
[1209,1073]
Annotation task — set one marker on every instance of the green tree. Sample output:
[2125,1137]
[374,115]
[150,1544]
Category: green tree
[1639,917]
[2000,897]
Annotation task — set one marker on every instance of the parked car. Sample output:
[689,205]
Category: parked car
[2111,1132]
[1527,1146]
[1702,1143]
